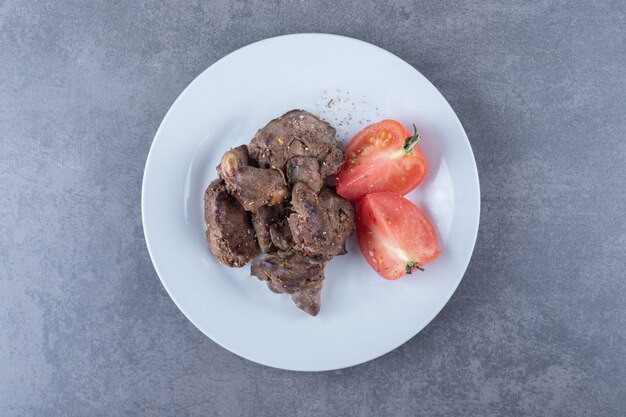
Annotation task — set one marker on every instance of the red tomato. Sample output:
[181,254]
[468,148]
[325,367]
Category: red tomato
[382,157]
[394,235]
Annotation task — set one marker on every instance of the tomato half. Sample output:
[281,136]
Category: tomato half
[394,235]
[383,156]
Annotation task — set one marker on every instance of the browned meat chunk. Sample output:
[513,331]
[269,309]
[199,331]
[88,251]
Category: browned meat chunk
[309,298]
[272,229]
[261,221]
[292,273]
[233,159]
[252,187]
[280,233]
[229,232]
[320,224]
[305,169]
[332,163]
[297,133]
[256,187]
[341,213]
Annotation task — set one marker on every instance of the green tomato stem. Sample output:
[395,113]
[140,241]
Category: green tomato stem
[412,265]
[410,142]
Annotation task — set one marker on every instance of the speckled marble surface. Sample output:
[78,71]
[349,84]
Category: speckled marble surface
[538,325]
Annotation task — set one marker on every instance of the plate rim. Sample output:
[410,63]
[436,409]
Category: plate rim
[241,50]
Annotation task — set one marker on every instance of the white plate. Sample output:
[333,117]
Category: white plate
[362,315]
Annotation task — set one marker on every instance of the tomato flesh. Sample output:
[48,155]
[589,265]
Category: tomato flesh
[376,161]
[394,235]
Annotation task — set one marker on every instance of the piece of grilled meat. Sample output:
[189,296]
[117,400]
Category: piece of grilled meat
[272,229]
[295,274]
[320,224]
[253,187]
[297,133]
[305,169]
[229,234]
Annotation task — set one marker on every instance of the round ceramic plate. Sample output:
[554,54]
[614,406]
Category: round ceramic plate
[350,84]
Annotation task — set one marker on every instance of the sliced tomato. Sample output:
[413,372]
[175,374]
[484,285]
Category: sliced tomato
[383,156]
[394,235]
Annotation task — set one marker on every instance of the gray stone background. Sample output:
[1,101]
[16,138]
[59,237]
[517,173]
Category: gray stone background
[538,325]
